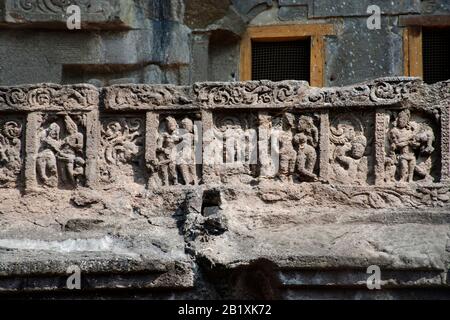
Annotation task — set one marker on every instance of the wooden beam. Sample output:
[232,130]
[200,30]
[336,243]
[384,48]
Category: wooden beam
[415,52]
[317,61]
[245,68]
[425,20]
[290,32]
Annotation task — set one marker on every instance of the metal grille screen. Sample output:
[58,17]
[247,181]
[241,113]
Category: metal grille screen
[276,61]
[436,54]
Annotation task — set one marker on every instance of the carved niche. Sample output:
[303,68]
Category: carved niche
[60,159]
[294,140]
[121,157]
[411,148]
[351,153]
[233,150]
[177,160]
[11,151]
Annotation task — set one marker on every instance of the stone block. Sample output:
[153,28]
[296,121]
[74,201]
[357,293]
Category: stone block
[332,8]
[358,53]
[292,13]
[102,14]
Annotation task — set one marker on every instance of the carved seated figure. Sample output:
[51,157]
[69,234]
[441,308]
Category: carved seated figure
[306,157]
[350,165]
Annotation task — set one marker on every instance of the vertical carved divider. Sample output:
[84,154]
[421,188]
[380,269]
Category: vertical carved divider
[31,149]
[208,173]
[92,147]
[151,136]
[324,141]
[445,144]
[264,126]
[379,134]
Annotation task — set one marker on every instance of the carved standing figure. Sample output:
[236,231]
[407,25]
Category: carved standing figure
[306,141]
[288,155]
[402,143]
[46,160]
[186,159]
[166,152]
[71,149]
[411,146]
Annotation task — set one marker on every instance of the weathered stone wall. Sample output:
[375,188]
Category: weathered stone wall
[180,42]
[244,189]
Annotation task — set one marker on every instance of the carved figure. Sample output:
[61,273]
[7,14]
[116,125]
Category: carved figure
[61,159]
[166,152]
[306,141]
[10,151]
[411,146]
[348,163]
[186,157]
[121,146]
[46,159]
[287,153]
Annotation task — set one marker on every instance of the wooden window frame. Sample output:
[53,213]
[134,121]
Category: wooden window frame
[316,32]
[412,52]
[412,40]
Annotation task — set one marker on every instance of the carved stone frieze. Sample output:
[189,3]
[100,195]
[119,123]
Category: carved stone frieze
[376,142]
[122,149]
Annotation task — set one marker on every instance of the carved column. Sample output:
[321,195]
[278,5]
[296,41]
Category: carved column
[324,144]
[92,147]
[151,137]
[445,144]
[379,134]
[31,149]
[264,126]
[208,169]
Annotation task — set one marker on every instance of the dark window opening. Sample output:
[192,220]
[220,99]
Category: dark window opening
[436,54]
[276,61]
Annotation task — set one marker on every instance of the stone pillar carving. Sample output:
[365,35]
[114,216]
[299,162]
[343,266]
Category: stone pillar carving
[324,143]
[92,147]
[151,137]
[264,131]
[380,137]
[445,145]
[31,149]
[209,174]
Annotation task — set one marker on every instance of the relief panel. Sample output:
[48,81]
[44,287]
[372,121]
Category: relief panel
[233,150]
[60,159]
[412,147]
[177,161]
[11,150]
[121,158]
[351,156]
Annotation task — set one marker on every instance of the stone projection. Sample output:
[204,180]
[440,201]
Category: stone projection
[273,180]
